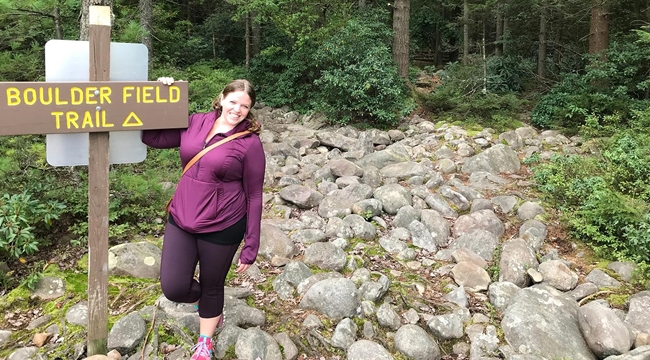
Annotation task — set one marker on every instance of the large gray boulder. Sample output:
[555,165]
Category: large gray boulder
[127,333]
[366,350]
[301,196]
[139,259]
[541,320]
[603,330]
[336,298]
[497,159]
[416,344]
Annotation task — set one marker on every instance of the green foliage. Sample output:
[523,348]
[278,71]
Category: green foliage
[349,76]
[20,215]
[460,95]
[603,97]
[641,275]
[31,280]
[358,79]
[284,77]
[605,199]
[509,74]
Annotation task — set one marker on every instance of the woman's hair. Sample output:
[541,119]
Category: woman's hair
[245,86]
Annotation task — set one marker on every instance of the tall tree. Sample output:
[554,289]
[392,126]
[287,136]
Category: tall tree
[83,23]
[599,27]
[256,36]
[248,41]
[498,46]
[401,17]
[541,46]
[146,9]
[465,32]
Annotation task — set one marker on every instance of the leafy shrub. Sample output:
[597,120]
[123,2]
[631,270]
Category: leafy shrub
[603,199]
[607,91]
[508,74]
[628,167]
[348,75]
[19,217]
[358,79]
[460,95]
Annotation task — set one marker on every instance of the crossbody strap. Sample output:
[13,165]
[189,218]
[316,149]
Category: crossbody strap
[205,151]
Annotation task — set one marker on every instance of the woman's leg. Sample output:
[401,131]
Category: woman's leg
[214,264]
[179,258]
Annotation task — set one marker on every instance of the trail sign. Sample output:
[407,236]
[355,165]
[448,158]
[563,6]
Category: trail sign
[69,60]
[67,107]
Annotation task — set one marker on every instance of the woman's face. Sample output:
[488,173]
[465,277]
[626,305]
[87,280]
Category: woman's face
[235,107]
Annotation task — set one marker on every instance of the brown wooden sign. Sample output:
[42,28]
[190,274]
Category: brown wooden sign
[72,107]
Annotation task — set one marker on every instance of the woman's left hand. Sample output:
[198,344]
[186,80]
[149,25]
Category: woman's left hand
[241,267]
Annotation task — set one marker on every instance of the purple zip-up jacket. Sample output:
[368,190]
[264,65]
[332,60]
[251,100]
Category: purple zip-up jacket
[220,188]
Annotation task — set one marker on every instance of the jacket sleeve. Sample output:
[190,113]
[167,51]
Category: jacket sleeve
[253,181]
[163,138]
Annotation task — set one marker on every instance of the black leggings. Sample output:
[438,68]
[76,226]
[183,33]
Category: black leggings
[180,253]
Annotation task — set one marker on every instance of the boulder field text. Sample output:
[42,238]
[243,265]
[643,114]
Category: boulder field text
[76,98]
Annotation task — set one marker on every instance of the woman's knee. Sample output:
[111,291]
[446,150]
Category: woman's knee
[175,292]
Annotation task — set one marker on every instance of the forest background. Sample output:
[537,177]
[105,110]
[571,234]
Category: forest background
[581,67]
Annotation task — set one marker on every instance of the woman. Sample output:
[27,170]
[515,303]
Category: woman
[218,201]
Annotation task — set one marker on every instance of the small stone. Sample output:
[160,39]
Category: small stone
[114,355]
[411,316]
[40,339]
[279,261]
[368,330]
[428,262]
[312,322]
[535,275]
[642,339]
[414,265]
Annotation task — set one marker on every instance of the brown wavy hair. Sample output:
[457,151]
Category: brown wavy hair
[245,86]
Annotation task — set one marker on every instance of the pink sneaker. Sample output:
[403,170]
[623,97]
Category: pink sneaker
[202,349]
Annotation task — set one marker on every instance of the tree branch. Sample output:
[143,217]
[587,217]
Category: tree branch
[32,12]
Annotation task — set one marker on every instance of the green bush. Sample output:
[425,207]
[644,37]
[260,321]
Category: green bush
[22,220]
[509,74]
[604,199]
[348,75]
[460,95]
[358,79]
[605,96]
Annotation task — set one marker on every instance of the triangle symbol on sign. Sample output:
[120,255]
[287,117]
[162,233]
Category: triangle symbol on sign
[132,120]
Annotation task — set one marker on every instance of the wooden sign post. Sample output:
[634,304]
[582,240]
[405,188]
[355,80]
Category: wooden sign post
[95,107]
[99,36]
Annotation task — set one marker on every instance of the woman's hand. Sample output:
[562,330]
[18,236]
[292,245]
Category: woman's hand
[166,80]
[241,267]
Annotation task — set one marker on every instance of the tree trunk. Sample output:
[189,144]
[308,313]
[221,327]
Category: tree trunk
[256,41]
[57,22]
[83,23]
[437,45]
[541,47]
[401,16]
[248,41]
[599,28]
[498,45]
[484,61]
[505,36]
[465,32]
[146,11]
